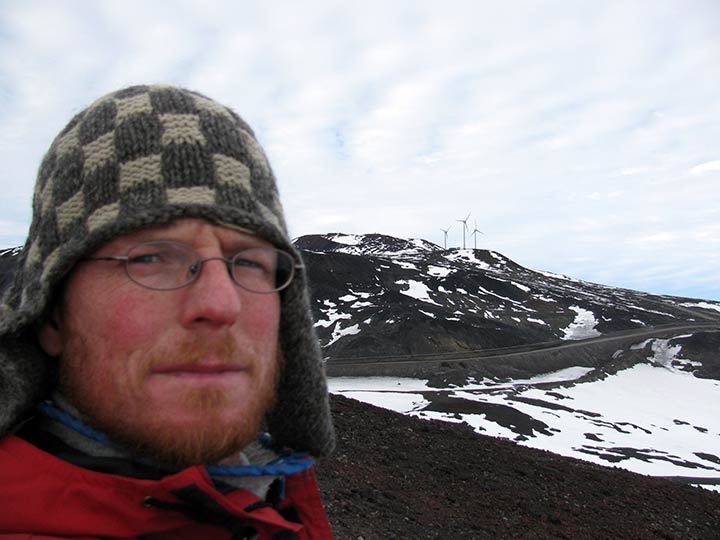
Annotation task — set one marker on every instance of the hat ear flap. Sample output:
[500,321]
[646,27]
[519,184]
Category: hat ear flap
[25,378]
[301,418]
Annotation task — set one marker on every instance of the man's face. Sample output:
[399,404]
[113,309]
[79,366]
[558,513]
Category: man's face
[185,375]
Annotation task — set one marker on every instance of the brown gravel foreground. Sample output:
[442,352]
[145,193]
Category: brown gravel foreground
[394,476]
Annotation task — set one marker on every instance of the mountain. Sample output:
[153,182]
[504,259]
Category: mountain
[610,375]
[8,258]
[376,295]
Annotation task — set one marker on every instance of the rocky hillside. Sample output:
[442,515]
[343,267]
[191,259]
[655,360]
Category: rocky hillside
[8,258]
[398,477]
[376,295]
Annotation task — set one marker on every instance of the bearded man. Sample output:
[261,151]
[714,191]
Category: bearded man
[159,372]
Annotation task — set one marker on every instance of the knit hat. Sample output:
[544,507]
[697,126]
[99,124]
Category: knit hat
[140,157]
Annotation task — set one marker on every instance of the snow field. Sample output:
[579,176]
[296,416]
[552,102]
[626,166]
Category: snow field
[647,419]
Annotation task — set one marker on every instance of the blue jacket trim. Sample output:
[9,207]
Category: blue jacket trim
[283,466]
[54,413]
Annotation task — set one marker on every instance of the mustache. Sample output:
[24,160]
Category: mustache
[195,352]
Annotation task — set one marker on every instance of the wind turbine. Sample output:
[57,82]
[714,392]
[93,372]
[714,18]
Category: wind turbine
[465,227]
[445,231]
[475,233]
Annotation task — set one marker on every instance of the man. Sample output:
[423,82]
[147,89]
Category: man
[159,372]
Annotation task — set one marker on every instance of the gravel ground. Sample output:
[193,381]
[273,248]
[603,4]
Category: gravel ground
[394,476]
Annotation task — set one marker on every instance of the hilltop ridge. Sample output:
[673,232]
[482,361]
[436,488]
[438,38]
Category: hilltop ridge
[375,294]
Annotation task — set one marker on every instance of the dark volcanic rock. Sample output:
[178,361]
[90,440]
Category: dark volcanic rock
[8,263]
[394,476]
[703,347]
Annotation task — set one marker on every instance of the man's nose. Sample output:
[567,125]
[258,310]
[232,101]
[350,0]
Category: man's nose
[213,298]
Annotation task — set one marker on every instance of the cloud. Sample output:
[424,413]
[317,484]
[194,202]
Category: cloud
[703,168]
[597,195]
[574,132]
[634,170]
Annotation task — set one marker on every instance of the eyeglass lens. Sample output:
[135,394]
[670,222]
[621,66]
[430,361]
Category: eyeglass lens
[170,265]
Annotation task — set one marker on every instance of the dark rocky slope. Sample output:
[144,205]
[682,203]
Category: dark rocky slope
[375,295]
[394,476]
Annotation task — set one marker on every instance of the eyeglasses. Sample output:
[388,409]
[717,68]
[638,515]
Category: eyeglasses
[166,265]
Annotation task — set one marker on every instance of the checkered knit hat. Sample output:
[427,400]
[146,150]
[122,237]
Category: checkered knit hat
[140,157]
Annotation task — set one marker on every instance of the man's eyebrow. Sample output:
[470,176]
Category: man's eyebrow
[234,245]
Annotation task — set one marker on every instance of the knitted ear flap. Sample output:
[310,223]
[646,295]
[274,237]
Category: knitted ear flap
[25,376]
[145,156]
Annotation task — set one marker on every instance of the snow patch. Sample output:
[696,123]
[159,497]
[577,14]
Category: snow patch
[417,290]
[439,271]
[520,286]
[703,305]
[377,384]
[562,375]
[668,356]
[467,255]
[632,306]
[490,293]
[421,244]
[583,326]
[640,345]
[339,332]
[347,239]
[333,316]
[11,252]
[556,276]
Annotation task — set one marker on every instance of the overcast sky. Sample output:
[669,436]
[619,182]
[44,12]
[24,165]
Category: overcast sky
[583,136]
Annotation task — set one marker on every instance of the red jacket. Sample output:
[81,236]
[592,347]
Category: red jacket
[46,497]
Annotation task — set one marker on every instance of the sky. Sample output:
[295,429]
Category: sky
[580,136]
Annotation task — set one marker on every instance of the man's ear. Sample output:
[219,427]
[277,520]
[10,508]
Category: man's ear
[50,337]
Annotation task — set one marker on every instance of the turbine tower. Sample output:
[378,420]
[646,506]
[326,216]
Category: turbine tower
[475,233]
[465,227]
[445,231]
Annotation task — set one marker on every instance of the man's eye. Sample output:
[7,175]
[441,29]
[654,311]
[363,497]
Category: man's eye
[147,258]
[247,263]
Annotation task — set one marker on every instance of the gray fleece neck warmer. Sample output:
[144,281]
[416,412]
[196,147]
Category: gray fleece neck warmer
[140,157]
